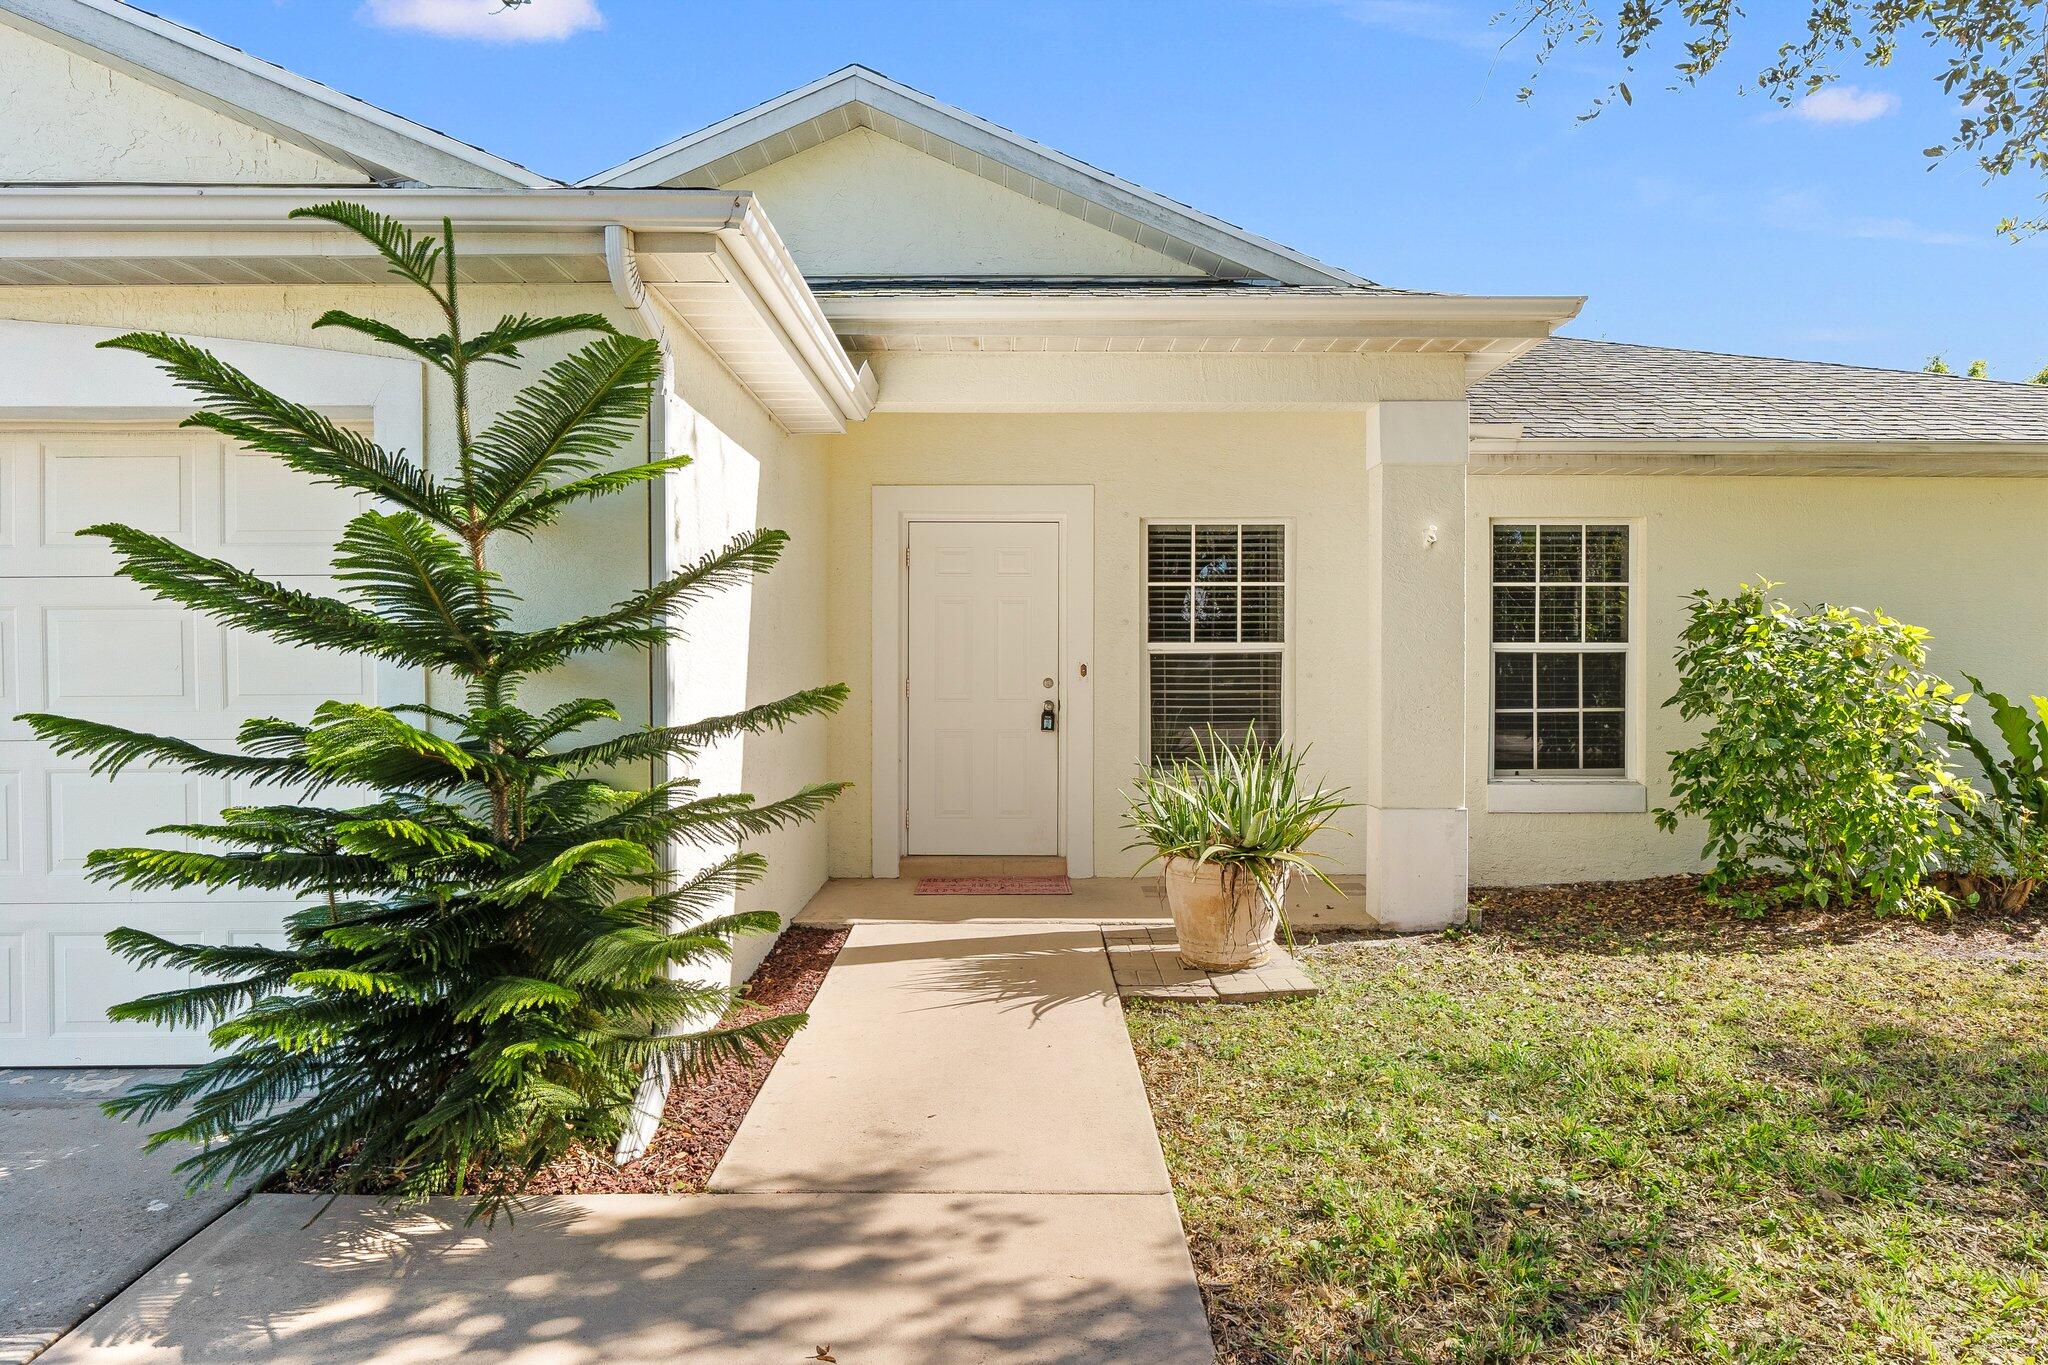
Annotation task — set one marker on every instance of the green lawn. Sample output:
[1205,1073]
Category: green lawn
[1617,1125]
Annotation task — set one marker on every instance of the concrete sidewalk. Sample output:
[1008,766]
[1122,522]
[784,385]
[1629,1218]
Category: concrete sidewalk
[954,1163]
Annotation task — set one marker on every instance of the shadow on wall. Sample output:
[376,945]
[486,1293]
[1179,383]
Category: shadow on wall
[746,645]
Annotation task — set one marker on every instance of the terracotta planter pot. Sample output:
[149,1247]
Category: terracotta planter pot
[1224,922]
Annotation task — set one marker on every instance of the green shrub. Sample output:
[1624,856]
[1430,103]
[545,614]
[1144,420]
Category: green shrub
[1819,773]
[489,949]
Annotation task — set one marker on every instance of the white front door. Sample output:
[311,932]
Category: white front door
[983,771]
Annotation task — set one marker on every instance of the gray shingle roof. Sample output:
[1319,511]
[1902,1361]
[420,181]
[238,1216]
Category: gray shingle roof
[1606,390]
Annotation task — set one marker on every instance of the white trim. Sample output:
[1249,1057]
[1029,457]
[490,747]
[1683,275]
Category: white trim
[857,95]
[1556,795]
[1391,312]
[280,102]
[1147,647]
[895,508]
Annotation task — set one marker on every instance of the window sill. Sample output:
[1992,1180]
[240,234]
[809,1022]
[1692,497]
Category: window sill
[1565,796]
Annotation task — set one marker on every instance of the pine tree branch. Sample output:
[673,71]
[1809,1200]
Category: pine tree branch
[408,254]
[528,515]
[245,411]
[420,579]
[238,598]
[578,413]
[501,342]
[682,741]
[433,350]
[114,747]
[644,618]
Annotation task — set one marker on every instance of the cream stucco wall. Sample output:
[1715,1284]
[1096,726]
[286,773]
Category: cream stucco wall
[599,552]
[865,204]
[68,118]
[1959,556]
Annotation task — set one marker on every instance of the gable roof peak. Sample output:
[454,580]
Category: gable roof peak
[860,96]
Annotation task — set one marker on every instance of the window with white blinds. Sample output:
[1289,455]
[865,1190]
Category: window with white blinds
[1561,648]
[1216,627]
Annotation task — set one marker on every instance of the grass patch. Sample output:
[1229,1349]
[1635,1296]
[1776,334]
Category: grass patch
[1619,1125]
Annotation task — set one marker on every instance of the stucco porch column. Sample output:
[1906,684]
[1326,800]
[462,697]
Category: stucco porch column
[1417,830]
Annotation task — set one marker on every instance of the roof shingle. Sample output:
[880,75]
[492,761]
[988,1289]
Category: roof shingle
[1605,390]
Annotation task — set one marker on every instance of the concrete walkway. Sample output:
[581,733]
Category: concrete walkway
[954,1163]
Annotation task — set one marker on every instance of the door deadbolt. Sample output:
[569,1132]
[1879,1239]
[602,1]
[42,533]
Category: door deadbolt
[1046,682]
[1048,719]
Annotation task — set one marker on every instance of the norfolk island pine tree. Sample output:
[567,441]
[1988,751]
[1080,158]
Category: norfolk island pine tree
[488,954]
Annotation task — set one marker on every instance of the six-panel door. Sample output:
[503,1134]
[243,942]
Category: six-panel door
[984,664]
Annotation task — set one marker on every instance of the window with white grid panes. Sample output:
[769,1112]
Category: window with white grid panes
[1562,655]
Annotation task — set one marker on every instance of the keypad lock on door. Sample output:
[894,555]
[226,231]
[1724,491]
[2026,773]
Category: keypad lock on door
[1048,719]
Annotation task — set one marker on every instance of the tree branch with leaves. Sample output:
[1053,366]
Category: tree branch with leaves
[1992,57]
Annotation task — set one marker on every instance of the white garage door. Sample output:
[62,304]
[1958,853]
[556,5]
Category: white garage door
[76,640]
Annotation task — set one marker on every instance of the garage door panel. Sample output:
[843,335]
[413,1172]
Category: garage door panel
[58,977]
[110,662]
[191,487]
[263,677]
[110,651]
[269,510]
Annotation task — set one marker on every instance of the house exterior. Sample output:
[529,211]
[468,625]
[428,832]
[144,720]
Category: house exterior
[1054,451]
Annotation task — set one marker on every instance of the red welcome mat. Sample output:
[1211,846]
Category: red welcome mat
[994,886]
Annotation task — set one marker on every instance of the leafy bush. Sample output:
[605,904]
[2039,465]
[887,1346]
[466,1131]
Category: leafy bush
[486,953]
[2004,854]
[1817,774]
[1244,806]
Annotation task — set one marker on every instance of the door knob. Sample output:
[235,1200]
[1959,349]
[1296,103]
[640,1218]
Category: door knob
[1048,719]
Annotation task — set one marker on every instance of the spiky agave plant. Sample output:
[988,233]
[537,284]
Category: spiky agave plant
[486,955]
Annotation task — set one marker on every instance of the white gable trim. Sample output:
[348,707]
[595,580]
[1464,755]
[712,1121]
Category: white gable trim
[239,86]
[857,97]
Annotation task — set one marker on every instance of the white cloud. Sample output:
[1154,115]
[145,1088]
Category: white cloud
[491,21]
[1845,104]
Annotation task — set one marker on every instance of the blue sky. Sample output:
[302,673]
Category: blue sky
[1383,135]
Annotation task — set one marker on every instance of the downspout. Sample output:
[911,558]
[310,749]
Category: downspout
[652,1096]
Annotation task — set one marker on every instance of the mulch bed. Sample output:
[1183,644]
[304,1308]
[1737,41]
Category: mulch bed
[1671,913]
[702,1115]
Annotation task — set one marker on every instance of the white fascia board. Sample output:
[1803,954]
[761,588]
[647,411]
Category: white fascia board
[1262,316]
[857,85]
[231,82]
